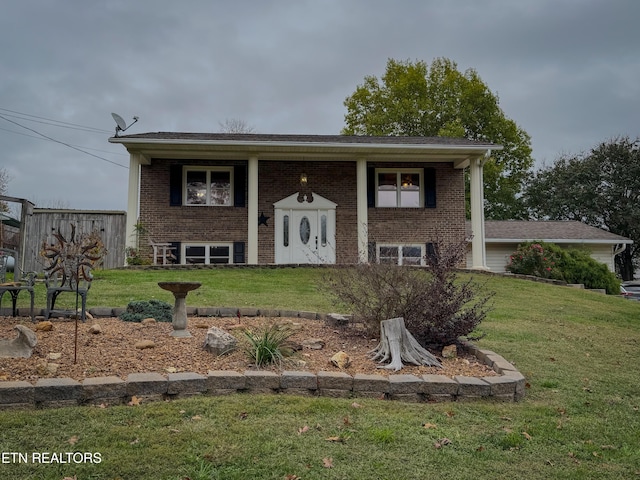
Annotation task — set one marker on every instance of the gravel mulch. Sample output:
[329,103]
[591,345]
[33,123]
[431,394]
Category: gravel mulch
[113,350]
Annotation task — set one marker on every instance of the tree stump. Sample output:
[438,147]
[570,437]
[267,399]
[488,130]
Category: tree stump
[397,344]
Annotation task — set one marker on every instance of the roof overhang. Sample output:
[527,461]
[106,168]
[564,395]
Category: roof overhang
[572,241]
[211,148]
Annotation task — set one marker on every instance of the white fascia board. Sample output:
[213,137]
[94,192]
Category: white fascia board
[266,145]
[560,240]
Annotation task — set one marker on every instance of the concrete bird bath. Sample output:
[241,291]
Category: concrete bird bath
[179,290]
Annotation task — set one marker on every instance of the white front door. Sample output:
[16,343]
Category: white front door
[305,231]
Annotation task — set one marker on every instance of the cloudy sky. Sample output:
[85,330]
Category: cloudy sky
[567,71]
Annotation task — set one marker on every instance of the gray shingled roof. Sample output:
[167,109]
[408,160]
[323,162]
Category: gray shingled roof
[278,138]
[551,231]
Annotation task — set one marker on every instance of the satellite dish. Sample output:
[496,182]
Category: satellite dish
[121,125]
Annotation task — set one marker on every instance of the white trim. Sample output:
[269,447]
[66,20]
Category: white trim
[133,200]
[478,248]
[362,210]
[252,211]
[561,240]
[317,203]
[267,145]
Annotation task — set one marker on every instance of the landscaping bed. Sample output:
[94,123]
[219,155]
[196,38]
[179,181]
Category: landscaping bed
[113,351]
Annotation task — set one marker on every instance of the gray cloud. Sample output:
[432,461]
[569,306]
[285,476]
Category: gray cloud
[566,71]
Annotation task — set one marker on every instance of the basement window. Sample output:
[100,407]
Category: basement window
[401,254]
[207,254]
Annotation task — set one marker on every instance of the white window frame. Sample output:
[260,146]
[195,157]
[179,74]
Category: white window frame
[208,171]
[401,247]
[399,172]
[207,256]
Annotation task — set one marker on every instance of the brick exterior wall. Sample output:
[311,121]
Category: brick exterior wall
[183,224]
[422,225]
[334,180]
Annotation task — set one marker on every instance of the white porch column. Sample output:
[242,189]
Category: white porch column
[252,212]
[362,215]
[133,197]
[478,251]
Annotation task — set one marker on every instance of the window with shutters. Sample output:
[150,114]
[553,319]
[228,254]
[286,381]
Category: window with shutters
[401,254]
[207,253]
[399,188]
[208,186]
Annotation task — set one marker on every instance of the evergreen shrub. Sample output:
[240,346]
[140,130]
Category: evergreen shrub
[573,265]
[138,310]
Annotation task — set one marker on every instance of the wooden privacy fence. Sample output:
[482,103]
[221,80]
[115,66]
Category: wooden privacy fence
[110,225]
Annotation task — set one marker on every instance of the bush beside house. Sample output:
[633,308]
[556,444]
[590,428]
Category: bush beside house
[548,260]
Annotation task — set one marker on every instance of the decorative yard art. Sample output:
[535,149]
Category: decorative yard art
[74,258]
[68,264]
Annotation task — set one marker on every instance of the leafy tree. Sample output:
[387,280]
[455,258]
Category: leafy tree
[600,188]
[414,99]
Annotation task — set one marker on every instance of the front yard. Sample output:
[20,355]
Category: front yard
[579,419]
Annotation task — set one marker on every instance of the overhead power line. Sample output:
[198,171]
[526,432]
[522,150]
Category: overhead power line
[63,143]
[47,140]
[52,122]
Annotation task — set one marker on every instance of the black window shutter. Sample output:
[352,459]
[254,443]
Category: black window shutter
[371,187]
[239,182]
[373,257]
[175,185]
[175,250]
[238,252]
[430,187]
[431,250]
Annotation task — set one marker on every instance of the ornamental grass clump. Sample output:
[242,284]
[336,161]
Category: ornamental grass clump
[269,345]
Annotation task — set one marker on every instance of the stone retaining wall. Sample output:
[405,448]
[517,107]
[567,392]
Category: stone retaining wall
[508,386]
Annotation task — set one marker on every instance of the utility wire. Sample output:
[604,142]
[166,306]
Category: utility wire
[56,123]
[63,143]
[46,139]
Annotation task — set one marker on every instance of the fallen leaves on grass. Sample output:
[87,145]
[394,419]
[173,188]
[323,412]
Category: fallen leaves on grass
[429,425]
[327,462]
[302,430]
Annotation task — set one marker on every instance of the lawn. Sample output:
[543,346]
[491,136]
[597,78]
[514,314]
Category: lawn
[580,418]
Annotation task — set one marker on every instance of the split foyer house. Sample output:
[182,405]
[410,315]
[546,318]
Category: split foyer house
[295,199]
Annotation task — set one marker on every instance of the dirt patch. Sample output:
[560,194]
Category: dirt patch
[113,351]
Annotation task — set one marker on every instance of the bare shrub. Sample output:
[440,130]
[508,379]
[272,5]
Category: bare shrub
[437,306]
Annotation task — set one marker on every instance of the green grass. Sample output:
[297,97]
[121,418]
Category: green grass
[580,418]
[287,288]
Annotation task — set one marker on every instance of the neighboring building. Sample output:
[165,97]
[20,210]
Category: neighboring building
[503,237]
[290,199]
[110,225]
